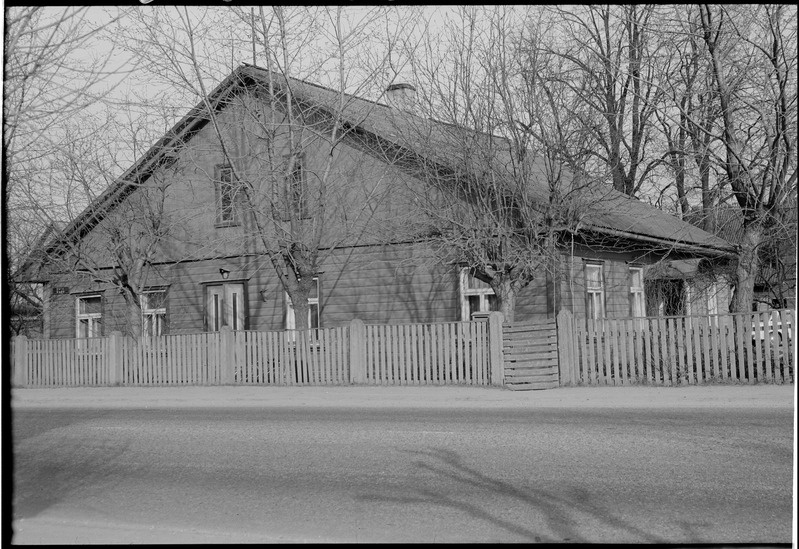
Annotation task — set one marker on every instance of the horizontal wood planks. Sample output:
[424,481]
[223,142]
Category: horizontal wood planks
[531,355]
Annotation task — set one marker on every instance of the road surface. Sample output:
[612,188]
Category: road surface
[339,474]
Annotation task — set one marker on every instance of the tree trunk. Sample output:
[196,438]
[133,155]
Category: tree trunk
[301,308]
[134,327]
[299,299]
[746,268]
[506,293]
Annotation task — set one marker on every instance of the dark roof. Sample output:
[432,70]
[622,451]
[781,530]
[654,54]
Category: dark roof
[724,221]
[612,213]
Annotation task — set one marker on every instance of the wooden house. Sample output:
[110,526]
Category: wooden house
[205,267]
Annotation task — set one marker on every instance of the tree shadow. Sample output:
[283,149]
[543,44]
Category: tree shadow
[55,467]
[557,509]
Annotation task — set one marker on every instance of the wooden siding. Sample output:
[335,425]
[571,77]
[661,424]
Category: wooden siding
[377,283]
[615,268]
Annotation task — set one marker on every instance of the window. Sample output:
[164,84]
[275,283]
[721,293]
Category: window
[637,303]
[313,308]
[226,190]
[476,296]
[594,291]
[153,312]
[295,191]
[89,316]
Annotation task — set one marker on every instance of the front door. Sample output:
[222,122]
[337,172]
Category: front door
[225,307]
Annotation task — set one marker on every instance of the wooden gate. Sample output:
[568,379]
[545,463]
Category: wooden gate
[531,355]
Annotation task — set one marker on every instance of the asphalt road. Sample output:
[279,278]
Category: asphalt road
[409,475]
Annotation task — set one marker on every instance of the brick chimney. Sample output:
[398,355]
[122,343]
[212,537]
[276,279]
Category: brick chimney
[401,96]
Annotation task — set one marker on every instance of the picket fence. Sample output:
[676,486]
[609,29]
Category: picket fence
[738,348]
[451,352]
[741,347]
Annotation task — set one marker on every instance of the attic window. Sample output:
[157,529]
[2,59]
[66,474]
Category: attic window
[226,189]
[295,191]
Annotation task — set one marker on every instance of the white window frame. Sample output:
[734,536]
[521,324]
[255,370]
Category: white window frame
[595,295]
[155,316]
[467,291]
[94,321]
[291,322]
[637,294]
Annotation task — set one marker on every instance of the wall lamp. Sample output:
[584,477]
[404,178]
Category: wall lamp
[264,295]
[225,273]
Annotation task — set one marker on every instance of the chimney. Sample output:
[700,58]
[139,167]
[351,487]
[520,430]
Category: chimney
[401,96]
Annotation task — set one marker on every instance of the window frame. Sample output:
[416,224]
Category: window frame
[225,188]
[92,318]
[591,293]
[466,291]
[637,295]
[157,314]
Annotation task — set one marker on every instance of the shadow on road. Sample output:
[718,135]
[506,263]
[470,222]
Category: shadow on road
[48,470]
[559,511]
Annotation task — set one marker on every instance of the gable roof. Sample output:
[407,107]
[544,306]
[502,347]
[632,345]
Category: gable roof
[614,214]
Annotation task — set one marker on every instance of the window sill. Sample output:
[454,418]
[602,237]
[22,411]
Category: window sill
[226,224]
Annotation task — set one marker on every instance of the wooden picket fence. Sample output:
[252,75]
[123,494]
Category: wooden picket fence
[423,354]
[741,347]
[193,359]
[451,352]
[297,357]
[63,362]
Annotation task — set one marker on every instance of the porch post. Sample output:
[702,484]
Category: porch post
[495,354]
[20,347]
[227,356]
[566,362]
[357,351]
[115,359]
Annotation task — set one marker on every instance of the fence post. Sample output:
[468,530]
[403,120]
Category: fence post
[357,351]
[20,349]
[565,330]
[115,359]
[495,355]
[226,355]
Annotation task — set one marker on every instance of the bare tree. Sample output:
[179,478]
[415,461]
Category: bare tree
[123,231]
[283,140]
[614,68]
[49,76]
[501,160]
[753,60]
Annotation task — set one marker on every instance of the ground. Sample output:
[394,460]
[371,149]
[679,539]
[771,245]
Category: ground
[596,428]
[711,396]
